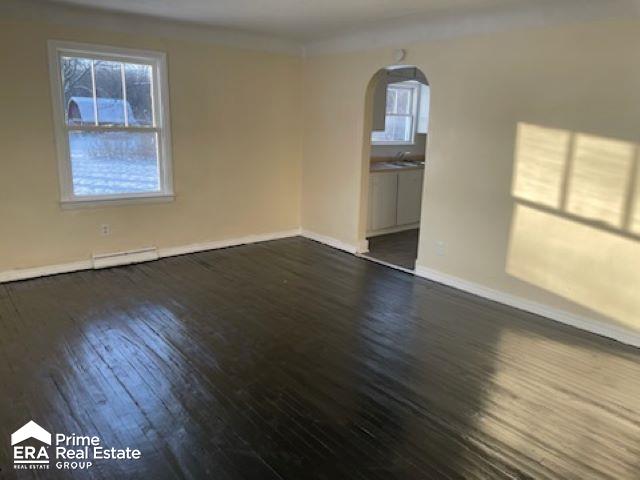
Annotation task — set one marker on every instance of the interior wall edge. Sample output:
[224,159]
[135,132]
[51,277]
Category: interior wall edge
[35,272]
[590,325]
[330,241]
[232,242]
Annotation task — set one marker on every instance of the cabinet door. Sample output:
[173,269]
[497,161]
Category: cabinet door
[383,197]
[409,196]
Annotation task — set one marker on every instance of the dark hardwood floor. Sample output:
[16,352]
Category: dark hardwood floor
[292,360]
[399,248]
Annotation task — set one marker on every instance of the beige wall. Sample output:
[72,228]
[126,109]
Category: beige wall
[501,103]
[236,132]
[533,143]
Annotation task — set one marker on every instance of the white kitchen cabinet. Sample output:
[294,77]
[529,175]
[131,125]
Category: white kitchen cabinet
[395,199]
[383,198]
[409,197]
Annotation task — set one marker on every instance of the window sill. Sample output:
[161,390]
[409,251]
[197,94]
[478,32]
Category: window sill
[115,201]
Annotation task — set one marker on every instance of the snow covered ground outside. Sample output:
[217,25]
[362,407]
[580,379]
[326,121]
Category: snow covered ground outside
[100,169]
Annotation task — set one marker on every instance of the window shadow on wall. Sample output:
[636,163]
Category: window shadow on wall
[576,222]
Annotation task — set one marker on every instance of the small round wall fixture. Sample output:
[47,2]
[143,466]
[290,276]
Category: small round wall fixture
[399,55]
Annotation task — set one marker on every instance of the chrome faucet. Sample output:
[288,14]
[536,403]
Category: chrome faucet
[402,156]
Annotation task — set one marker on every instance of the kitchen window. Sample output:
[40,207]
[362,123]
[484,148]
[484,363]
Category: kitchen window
[400,116]
[112,124]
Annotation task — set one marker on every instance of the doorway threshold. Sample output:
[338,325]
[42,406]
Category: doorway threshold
[386,264]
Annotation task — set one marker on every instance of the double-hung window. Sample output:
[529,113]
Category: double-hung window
[111,122]
[400,116]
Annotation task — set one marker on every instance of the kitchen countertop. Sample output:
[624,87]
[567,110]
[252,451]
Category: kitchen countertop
[395,166]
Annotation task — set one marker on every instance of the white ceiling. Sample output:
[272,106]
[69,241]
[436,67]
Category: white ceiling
[303,20]
[310,27]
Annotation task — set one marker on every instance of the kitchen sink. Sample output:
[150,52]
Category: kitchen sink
[408,164]
[395,165]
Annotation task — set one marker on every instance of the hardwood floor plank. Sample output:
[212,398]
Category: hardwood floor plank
[290,360]
[400,248]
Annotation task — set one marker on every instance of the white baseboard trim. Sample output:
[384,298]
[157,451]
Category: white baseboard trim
[386,264]
[26,273]
[590,325]
[123,258]
[107,260]
[231,242]
[614,332]
[363,246]
[396,229]
[330,241]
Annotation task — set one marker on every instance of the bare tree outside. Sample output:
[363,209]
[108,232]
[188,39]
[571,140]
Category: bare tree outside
[76,76]
[108,162]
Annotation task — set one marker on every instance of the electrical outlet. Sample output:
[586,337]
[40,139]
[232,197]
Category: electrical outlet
[440,248]
[105,230]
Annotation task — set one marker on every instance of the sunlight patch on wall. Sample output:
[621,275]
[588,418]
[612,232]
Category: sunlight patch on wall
[599,178]
[592,267]
[541,155]
[576,224]
[634,219]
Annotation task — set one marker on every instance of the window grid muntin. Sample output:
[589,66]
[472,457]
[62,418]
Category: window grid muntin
[157,111]
[409,132]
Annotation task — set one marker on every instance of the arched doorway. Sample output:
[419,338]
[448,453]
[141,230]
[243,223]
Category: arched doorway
[394,159]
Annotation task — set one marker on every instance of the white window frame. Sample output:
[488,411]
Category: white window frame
[161,125]
[415,93]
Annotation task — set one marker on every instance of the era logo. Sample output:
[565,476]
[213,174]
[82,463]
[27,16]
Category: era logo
[27,454]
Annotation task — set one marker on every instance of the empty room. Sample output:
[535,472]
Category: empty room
[356,239]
